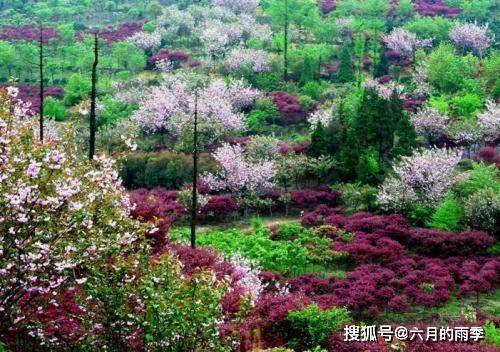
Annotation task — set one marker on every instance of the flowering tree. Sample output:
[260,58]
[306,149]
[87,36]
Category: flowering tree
[238,6]
[423,177]
[429,122]
[385,91]
[321,116]
[238,174]
[404,43]
[145,40]
[55,210]
[257,60]
[489,122]
[170,106]
[470,36]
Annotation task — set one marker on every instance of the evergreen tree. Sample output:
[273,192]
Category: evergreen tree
[308,69]
[319,143]
[346,72]
[382,67]
[405,136]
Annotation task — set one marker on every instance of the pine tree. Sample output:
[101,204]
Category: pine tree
[346,72]
[382,67]
[319,144]
[308,69]
[405,136]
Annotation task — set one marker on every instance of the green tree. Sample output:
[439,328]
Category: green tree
[448,215]
[346,72]
[319,143]
[126,56]
[382,67]
[77,89]
[285,13]
[54,108]
[7,55]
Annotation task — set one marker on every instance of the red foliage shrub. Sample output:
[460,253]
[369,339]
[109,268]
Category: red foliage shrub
[28,33]
[308,198]
[435,8]
[310,285]
[176,56]
[290,108]
[487,154]
[31,94]
[328,6]
[219,207]
[122,32]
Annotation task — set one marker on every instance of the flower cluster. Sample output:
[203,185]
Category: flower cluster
[28,33]
[171,106]
[429,122]
[425,176]
[257,60]
[238,174]
[470,36]
[238,6]
[489,122]
[145,40]
[321,116]
[384,90]
[404,43]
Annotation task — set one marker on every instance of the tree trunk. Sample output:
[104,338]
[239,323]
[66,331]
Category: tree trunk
[194,204]
[285,50]
[41,83]
[93,121]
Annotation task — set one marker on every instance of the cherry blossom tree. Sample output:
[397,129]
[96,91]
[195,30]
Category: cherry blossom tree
[403,42]
[238,6]
[323,116]
[170,106]
[239,174]
[257,60]
[489,122]
[429,122]
[471,36]
[145,40]
[54,210]
[423,177]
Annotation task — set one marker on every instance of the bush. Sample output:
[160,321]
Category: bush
[54,108]
[356,197]
[165,169]
[448,215]
[482,209]
[466,105]
[311,327]
[482,176]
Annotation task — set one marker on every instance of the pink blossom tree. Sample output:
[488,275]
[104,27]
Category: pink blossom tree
[403,42]
[239,174]
[145,40]
[489,122]
[471,36]
[170,106]
[423,177]
[429,123]
[257,60]
[238,6]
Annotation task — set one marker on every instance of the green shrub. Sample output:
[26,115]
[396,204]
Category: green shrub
[165,169]
[420,214]
[269,81]
[466,105]
[306,102]
[283,256]
[357,197]
[482,209]
[492,333]
[54,108]
[311,327]
[312,89]
[448,215]
[482,176]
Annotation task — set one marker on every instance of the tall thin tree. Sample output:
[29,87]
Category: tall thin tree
[93,96]
[42,87]
[194,201]
[285,49]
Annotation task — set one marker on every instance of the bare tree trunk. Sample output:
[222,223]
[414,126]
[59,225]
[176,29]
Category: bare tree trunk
[285,50]
[93,121]
[41,83]
[194,205]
